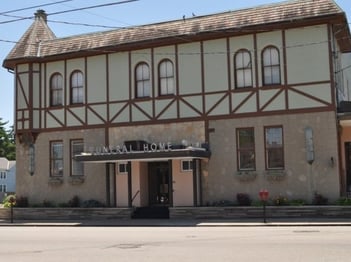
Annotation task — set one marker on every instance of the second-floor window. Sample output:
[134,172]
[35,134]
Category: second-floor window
[274,147]
[166,77]
[271,66]
[56,158]
[77,88]
[142,80]
[56,90]
[243,69]
[245,147]
[2,174]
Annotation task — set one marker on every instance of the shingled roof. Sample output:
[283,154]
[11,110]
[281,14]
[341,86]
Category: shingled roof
[184,30]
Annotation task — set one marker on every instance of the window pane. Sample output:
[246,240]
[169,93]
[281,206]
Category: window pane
[56,157]
[274,147]
[246,160]
[77,147]
[166,78]
[246,149]
[240,79]
[56,90]
[243,69]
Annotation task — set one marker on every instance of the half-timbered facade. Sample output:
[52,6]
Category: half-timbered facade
[183,113]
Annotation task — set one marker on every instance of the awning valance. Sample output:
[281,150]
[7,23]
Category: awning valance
[188,153]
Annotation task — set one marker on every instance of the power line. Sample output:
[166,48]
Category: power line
[35,6]
[91,7]
[20,18]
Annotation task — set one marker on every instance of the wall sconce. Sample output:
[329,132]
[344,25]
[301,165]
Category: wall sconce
[309,145]
[31,158]
[332,162]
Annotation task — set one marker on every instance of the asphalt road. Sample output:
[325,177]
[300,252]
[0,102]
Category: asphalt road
[175,244]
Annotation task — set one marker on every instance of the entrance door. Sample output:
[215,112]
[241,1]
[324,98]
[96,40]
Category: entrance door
[348,165]
[159,186]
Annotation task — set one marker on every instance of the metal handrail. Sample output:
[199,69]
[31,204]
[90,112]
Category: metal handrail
[135,195]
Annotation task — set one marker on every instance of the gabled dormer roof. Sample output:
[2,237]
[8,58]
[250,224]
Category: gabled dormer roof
[29,44]
[288,14]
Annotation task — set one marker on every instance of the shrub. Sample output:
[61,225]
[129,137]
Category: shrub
[7,201]
[92,203]
[47,203]
[344,201]
[22,201]
[243,199]
[280,201]
[297,202]
[319,199]
[74,202]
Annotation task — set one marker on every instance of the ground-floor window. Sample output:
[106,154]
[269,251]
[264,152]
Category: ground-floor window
[77,147]
[274,147]
[56,158]
[187,165]
[2,188]
[122,168]
[245,147]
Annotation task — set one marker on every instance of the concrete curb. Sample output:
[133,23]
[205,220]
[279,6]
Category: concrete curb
[174,223]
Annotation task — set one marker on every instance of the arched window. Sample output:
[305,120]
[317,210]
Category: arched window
[271,66]
[142,80]
[77,87]
[243,69]
[56,90]
[166,77]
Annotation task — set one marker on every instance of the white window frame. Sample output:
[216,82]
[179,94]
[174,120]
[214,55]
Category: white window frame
[189,165]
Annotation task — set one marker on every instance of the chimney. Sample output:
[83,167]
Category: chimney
[40,14]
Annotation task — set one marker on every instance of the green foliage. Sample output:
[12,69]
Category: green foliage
[280,201]
[8,201]
[92,203]
[344,201]
[7,142]
[297,202]
[319,199]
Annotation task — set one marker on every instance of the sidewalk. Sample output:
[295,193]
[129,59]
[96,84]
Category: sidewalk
[181,222]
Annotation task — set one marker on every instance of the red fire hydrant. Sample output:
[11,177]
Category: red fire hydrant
[264,194]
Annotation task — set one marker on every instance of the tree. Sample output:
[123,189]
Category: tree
[7,141]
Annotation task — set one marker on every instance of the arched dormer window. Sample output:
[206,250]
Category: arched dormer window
[56,90]
[243,69]
[271,66]
[77,87]
[166,77]
[142,80]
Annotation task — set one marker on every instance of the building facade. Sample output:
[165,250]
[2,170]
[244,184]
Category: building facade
[184,113]
[7,177]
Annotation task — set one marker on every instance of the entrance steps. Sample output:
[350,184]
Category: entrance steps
[151,212]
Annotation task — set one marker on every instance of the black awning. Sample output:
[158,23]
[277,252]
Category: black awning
[143,156]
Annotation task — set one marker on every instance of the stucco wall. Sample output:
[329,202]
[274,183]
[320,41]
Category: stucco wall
[301,180]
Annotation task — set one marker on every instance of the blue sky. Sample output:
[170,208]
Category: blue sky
[127,14]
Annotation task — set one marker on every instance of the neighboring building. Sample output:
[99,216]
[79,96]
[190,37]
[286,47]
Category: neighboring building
[186,112]
[7,177]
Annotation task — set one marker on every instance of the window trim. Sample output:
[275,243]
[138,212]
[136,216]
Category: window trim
[190,165]
[167,77]
[143,80]
[266,148]
[271,66]
[239,150]
[73,99]
[125,164]
[72,160]
[242,69]
[59,91]
[56,159]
